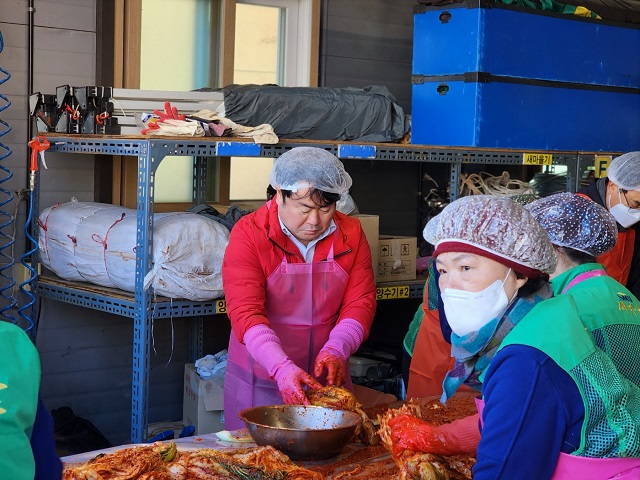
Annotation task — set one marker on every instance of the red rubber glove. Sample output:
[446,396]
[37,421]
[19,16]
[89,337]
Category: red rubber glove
[333,362]
[170,113]
[291,379]
[456,438]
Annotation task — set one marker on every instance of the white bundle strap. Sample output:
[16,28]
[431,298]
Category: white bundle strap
[485,184]
[96,243]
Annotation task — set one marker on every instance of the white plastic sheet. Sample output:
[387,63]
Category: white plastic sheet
[96,243]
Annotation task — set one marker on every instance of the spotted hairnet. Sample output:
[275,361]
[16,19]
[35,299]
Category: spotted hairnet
[495,224]
[310,167]
[576,222]
[624,171]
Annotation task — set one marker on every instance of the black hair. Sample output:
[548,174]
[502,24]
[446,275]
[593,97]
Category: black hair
[532,285]
[576,256]
[271,192]
[319,197]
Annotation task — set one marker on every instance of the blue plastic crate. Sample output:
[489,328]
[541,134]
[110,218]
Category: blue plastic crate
[480,36]
[482,110]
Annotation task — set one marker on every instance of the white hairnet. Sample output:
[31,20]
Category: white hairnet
[576,222]
[430,229]
[495,225]
[346,204]
[309,167]
[624,171]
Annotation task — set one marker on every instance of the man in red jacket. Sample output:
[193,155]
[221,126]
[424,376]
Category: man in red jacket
[299,287]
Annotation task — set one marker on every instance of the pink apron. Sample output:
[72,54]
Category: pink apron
[302,304]
[584,276]
[573,467]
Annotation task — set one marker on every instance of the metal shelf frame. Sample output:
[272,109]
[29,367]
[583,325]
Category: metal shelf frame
[152,150]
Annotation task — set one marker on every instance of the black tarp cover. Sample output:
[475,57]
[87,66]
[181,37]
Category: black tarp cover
[369,114]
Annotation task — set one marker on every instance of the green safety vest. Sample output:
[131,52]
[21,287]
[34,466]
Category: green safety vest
[592,332]
[19,385]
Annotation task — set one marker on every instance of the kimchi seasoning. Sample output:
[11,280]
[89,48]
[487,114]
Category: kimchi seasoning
[375,462]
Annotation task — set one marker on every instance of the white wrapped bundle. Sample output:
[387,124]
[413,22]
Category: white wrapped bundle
[57,238]
[96,243]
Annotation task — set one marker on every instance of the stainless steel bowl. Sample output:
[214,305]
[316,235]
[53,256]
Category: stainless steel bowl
[302,432]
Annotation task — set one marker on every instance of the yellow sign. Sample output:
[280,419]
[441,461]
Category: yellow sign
[537,158]
[389,293]
[602,163]
[221,306]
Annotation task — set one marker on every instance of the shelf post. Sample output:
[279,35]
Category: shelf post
[454,180]
[199,195]
[143,311]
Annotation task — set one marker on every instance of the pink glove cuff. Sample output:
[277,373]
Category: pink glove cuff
[345,338]
[264,346]
[463,433]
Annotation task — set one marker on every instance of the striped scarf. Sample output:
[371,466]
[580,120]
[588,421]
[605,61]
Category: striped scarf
[473,352]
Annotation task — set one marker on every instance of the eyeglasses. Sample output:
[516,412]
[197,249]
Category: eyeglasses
[634,205]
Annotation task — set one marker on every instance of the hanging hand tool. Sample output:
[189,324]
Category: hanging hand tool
[37,144]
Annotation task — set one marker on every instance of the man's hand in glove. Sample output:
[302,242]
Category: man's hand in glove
[291,379]
[456,438]
[333,362]
[344,340]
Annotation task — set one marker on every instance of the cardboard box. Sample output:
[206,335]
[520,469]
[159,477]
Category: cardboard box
[203,402]
[371,226]
[396,258]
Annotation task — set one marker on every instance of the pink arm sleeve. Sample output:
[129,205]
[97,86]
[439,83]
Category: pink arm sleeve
[264,346]
[463,434]
[345,338]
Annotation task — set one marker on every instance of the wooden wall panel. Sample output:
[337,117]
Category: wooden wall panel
[358,72]
[367,42]
[79,15]
[13,12]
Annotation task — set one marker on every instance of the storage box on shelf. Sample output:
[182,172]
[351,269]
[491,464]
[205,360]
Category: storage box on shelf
[481,36]
[203,401]
[396,258]
[371,226]
[491,75]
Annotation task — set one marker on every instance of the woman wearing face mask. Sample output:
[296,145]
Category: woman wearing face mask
[546,387]
[619,192]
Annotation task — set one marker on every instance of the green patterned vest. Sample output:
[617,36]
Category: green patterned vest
[19,385]
[593,333]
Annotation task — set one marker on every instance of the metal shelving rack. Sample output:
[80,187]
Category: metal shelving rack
[142,307]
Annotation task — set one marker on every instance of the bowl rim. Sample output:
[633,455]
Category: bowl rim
[355,417]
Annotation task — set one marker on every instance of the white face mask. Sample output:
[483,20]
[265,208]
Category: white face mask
[624,215]
[470,311]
